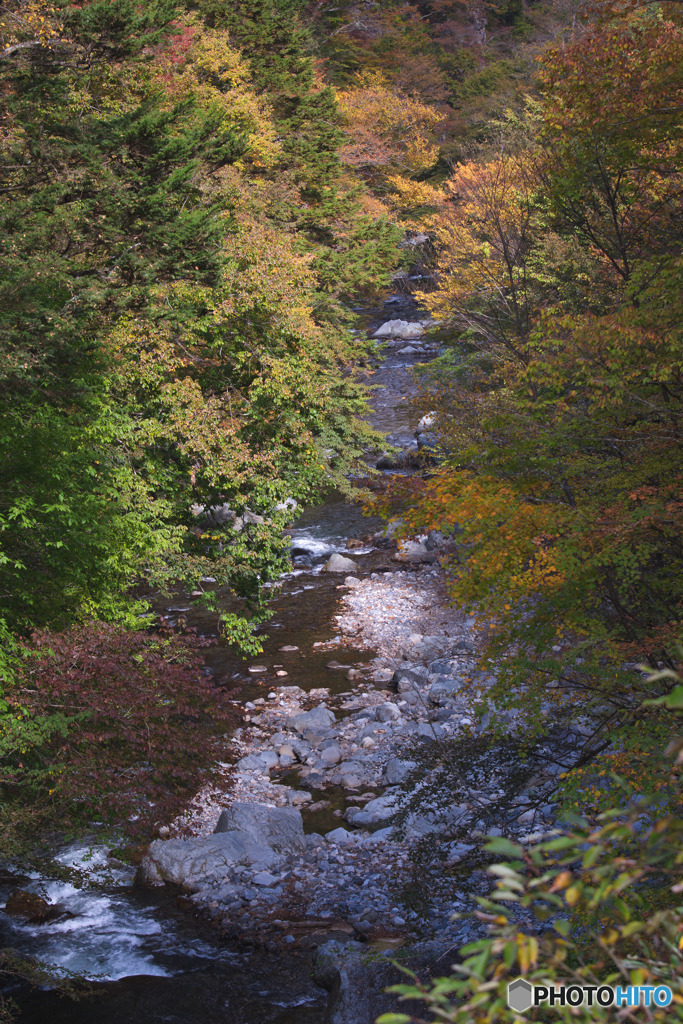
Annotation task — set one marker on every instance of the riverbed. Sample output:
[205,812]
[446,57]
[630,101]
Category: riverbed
[148,958]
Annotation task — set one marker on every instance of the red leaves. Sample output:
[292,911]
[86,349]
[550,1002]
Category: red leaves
[151,722]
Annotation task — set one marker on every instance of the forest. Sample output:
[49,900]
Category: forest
[195,197]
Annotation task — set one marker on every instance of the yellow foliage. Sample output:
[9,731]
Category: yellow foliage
[216,76]
[386,128]
[410,195]
[481,234]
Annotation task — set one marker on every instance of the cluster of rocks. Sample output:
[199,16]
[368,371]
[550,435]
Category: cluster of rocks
[345,759]
[397,331]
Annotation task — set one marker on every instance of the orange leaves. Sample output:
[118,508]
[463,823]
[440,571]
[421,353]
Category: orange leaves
[387,129]
[507,545]
[485,237]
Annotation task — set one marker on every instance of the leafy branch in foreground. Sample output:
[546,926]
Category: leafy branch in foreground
[596,904]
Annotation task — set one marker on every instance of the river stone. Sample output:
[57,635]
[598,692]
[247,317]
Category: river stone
[444,689]
[369,731]
[331,755]
[431,730]
[264,878]
[262,761]
[443,667]
[387,712]
[351,582]
[29,905]
[399,329]
[280,828]
[426,423]
[203,861]
[456,853]
[413,551]
[351,781]
[316,721]
[417,675]
[340,836]
[426,439]
[380,809]
[382,675]
[339,563]
[397,770]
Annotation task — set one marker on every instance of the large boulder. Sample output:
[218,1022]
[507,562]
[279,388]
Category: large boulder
[399,329]
[280,828]
[339,563]
[444,689]
[356,983]
[32,907]
[413,551]
[315,721]
[196,863]
[397,770]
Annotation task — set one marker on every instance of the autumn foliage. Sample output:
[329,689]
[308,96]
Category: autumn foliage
[558,403]
[106,726]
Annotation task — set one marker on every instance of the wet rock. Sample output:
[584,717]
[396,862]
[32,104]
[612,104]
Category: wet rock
[31,907]
[352,581]
[406,459]
[281,828]
[356,986]
[339,563]
[327,961]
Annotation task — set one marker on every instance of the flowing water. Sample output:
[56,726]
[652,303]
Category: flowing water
[148,960]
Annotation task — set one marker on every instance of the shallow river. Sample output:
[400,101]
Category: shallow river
[149,960]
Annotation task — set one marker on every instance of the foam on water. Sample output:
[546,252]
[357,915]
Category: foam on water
[314,545]
[103,935]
